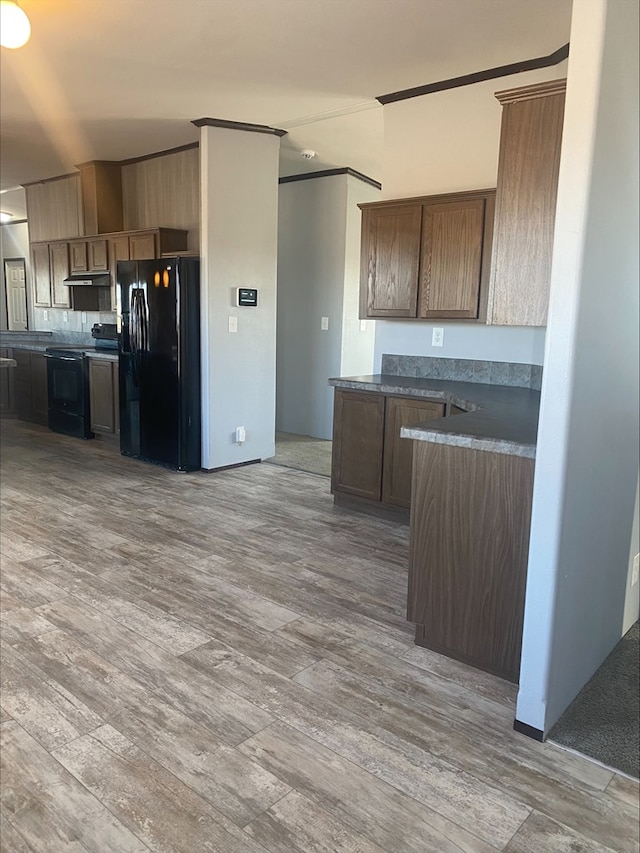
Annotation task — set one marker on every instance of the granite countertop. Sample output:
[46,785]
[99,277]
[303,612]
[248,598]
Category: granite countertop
[497,418]
[41,341]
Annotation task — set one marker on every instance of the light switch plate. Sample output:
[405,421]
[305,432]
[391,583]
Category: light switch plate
[363,325]
[83,317]
[65,316]
[324,324]
[233,325]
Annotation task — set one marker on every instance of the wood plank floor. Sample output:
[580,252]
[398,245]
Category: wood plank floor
[198,662]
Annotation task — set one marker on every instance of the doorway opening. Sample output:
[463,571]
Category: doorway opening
[303,453]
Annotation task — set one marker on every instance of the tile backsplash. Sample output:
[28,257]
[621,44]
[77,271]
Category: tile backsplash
[73,327]
[464,370]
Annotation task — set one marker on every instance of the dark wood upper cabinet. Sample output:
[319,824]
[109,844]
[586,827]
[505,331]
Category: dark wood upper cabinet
[97,255]
[456,245]
[41,274]
[142,247]
[390,260]
[427,258]
[59,265]
[528,168]
[78,256]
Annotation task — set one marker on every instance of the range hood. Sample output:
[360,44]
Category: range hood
[97,279]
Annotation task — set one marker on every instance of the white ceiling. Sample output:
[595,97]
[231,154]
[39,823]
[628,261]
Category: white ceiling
[113,79]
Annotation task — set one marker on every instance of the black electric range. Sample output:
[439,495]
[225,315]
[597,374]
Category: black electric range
[68,382]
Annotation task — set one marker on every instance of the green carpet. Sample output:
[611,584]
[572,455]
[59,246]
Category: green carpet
[603,721]
[303,453]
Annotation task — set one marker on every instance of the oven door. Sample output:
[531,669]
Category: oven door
[68,394]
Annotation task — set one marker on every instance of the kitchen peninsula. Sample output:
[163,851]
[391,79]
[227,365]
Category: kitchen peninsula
[471,460]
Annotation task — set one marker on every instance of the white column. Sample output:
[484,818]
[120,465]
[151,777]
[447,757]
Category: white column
[239,230]
[587,457]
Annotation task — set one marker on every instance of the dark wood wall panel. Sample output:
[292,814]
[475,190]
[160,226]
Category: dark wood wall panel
[470,520]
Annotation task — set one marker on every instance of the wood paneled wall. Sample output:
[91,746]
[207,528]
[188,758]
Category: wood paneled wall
[164,191]
[54,209]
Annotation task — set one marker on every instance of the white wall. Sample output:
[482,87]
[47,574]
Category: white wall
[587,456]
[357,344]
[449,142]
[632,598]
[239,221]
[318,276]
[311,260]
[14,243]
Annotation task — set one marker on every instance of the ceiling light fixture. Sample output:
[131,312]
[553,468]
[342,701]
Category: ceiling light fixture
[15,28]
[5,217]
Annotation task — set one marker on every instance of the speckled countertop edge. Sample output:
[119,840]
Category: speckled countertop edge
[497,419]
[42,341]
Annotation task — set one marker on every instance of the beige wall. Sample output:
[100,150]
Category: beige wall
[448,141]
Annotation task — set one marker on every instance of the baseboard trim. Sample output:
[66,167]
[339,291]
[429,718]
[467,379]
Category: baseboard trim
[529,731]
[229,467]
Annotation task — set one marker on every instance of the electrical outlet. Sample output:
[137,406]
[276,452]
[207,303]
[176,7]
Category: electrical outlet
[241,435]
[83,317]
[635,571]
[324,324]
[233,324]
[363,325]
[65,316]
[437,338]
[45,314]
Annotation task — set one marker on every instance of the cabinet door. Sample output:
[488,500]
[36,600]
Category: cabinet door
[398,452]
[22,384]
[97,256]
[41,275]
[390,260]
[142,247]
[116,397]
[118,251]
[528,169]
[358,433]
[7,398]
[39,391]
[451,259]
[78,256]
[101,396]
[59,261]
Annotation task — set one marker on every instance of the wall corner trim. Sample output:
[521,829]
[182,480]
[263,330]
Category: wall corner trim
[478,76]
[238,125]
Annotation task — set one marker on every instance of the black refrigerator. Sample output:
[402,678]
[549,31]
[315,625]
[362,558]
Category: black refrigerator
[159,361]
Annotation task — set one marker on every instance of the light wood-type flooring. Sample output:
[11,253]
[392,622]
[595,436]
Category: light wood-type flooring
[220,662]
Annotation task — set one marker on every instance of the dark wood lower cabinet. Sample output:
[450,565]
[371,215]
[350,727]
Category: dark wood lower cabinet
[30,386]
[371,463]
[470,521]
[103,396]
[7,394]
[358,434]
[398,452]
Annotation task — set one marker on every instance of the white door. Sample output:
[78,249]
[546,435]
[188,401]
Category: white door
[15,279]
